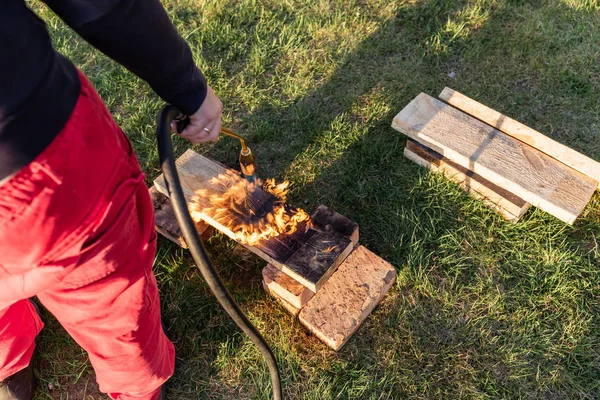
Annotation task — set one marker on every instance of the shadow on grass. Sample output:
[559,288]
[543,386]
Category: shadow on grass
[481,309]
[457,323]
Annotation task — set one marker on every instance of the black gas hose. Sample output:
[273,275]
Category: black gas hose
[190,234]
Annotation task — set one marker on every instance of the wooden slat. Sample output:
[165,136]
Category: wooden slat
[509,163]
[285,287]
[347,299]
[305,255]
[560,152]
[508,205]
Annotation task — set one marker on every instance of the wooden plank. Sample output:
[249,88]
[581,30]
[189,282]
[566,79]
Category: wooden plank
[310,255]
[525,134]
[509,163]
[348,297]
[510,206]
[193,174]
[288,306]
[164,218]
[330,219]
[165,222]
[284,286]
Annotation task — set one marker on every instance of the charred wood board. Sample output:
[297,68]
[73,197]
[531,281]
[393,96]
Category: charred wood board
[280,285]
[329,219]
[309,255]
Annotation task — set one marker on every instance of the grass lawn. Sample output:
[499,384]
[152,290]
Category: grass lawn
[482,309]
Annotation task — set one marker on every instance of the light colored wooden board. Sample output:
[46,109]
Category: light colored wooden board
[289,307]
[511,164]
[286,287]
[196,172]
[511,207]
[559,151]
[348,297]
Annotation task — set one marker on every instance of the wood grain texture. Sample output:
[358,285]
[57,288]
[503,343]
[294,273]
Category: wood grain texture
[348,297]
[284,286]
[525,134]
[195,172]
[289,307]
[310,255]
[510,206]
[511,164]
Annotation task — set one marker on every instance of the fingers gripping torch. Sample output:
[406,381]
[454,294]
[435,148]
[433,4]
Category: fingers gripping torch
[167,115]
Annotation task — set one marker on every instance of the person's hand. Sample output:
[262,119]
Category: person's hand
[205,124]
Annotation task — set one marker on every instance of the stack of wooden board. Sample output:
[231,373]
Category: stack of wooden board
[496,158]
[319,272]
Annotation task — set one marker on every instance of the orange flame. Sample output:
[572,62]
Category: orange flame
[254,212]
[330,249]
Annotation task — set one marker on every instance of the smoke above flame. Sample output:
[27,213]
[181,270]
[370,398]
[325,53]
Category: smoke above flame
[253,211]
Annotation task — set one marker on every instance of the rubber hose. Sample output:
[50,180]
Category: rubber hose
[190,234]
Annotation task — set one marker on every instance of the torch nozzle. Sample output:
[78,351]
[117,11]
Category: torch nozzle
[239,137]
[247,159]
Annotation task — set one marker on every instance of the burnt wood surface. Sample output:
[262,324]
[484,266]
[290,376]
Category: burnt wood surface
[309,255]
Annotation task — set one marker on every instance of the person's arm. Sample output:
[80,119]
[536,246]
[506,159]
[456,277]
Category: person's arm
[139,35]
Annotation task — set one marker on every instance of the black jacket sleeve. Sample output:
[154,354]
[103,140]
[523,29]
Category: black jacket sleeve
[139,35]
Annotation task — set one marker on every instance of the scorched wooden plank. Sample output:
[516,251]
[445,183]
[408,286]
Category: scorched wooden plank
[309,255]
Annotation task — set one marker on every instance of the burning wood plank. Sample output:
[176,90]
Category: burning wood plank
[260,220]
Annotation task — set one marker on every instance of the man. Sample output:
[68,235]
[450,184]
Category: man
[76,220]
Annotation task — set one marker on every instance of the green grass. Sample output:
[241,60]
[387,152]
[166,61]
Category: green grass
[482,309]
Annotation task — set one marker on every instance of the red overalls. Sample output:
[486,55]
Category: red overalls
[77,231]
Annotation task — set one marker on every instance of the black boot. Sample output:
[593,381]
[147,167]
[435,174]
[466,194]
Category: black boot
[18,386]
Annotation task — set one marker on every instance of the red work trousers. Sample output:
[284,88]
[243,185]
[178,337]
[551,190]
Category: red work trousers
[77,231]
